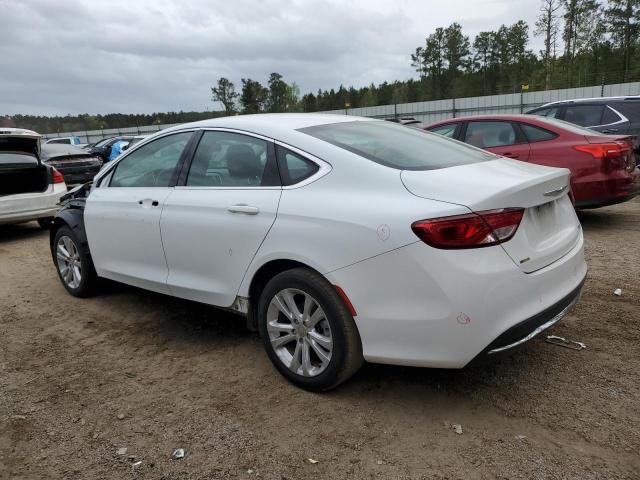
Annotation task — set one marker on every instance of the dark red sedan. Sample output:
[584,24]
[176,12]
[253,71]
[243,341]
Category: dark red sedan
[603,167]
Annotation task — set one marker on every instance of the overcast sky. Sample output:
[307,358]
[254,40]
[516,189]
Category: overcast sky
[137,56]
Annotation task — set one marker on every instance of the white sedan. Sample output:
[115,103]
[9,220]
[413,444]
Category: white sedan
[342,239]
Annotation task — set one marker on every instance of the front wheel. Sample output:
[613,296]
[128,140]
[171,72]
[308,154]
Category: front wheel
[307,330]
[73,263]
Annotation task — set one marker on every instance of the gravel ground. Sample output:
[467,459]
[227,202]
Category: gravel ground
[82,379]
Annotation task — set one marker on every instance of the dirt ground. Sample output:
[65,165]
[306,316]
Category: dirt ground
[82,379]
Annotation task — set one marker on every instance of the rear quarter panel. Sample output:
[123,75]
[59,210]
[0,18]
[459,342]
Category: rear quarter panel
[357,211]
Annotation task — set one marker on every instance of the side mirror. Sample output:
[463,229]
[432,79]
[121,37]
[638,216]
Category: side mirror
[126,147]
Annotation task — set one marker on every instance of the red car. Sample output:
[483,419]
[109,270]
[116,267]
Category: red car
[603,167]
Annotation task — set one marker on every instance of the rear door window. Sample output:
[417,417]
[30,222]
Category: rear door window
[553,112]
[488,134]
[584,115]
[226,159]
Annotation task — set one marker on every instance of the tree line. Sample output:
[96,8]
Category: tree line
[585,42]
[85,122]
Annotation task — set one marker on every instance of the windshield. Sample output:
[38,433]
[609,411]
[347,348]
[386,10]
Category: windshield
[397,146]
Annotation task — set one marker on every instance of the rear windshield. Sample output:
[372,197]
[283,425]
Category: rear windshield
[397,146]
[572,127]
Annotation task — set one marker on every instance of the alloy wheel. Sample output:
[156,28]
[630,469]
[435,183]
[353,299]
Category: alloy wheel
[69,263]
[299,332]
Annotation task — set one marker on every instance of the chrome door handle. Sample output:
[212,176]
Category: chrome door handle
[242,208]
[148,202]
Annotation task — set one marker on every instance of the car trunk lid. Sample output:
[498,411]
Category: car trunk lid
[549,227]
[21,169]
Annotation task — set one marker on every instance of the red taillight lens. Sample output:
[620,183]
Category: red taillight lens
[57,177]
[472,230]
[615,155]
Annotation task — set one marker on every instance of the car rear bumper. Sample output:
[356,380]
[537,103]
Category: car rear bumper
[601,192]
[442,309]
[531,327]
[31,206]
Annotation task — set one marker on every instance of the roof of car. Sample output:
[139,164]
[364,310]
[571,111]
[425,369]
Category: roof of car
[504,116]
[593,100]
[270,124]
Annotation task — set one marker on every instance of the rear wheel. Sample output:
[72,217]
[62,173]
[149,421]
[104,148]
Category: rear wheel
[308,333]
[73,263]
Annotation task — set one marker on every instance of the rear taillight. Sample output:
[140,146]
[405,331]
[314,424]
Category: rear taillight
[473,230]
[615,155]
[57,177]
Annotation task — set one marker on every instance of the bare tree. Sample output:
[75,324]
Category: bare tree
[547,25]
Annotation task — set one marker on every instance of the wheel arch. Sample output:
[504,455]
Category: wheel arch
[72,218]
[261,277]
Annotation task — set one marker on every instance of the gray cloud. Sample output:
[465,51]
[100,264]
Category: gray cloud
[101,56]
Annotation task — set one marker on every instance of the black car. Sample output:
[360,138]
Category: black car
[408,121]
[609,115]
[76,165]
[103,147]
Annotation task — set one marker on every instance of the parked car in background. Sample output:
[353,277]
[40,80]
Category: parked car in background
[29,189]
[103,147]
[76,165]
[134,140]
[341,238]
[66,141]
[609,115]
[407,121]
[603,167]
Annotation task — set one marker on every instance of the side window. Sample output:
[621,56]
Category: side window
[548,112]
[294,168]
[151,165]
[609,117]
[537,134]
[225,159]
[584,115]
[490,134]
[448,131]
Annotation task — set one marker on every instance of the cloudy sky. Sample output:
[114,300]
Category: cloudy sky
[138,56]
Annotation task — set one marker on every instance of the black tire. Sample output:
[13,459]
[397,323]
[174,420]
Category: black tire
[346,357]
[45,223]
[87,286]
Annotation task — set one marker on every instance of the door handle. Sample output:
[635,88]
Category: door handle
[510,155]
[242,208]
[610,130]
[148,202]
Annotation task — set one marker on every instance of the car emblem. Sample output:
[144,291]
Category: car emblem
[557,191]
